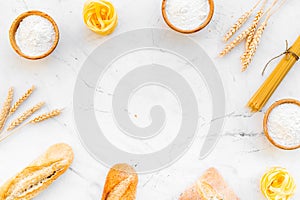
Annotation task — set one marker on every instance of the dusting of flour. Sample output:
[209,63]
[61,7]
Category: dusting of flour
[284,125]
[187,14]
[35,35]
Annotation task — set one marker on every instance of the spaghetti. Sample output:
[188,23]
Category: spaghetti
[264,93]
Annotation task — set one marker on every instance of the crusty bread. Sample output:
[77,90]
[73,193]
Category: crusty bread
[121,183]
[39,174]
[191,194]
[210,185]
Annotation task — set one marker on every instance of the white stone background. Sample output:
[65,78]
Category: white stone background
[242,154]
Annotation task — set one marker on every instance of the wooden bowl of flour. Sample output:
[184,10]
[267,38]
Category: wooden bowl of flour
[266,123]
[14,28]
[190,30]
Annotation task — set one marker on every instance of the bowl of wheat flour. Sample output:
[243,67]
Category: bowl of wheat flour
[34,35]
[188,16]
[282,124]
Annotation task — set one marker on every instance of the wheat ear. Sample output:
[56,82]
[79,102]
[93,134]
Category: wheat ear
[238,24]
[248,55]
[45,116]
[21,100]
[253,28]
[235,42]
[6,108]
[246,58]
[36,120]
[25,116]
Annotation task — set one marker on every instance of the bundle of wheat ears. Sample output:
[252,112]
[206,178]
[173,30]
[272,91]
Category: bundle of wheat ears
[252,34]
[9,109]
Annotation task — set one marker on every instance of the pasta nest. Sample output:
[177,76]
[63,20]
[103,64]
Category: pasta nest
[277,184]
[100,16]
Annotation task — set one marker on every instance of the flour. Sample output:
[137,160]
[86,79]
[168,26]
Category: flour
[35,35]
[284,125]
[187,14]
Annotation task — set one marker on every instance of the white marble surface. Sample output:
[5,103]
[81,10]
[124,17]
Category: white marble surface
[242,154]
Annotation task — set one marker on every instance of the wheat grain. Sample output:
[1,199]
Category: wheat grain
[253,28]
[21,100]
[6,108]
[45,116]
[235,42]
[25,116]
[248,55]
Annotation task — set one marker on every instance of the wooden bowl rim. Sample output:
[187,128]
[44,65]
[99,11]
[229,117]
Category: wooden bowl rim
[15,26]
[203,25]
[266,117]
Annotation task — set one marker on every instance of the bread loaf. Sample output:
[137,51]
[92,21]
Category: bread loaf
[39,174]
[210,186]
[121,183]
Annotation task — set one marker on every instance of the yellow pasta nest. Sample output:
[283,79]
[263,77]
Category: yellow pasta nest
[277,184]
[100,16]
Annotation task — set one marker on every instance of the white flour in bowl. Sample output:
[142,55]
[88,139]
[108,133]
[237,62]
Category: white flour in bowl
[284,125]
[187,14]
[35,35]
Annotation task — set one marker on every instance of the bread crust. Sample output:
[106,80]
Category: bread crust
[214,179]
[190,194]
[121,183]
[39,174]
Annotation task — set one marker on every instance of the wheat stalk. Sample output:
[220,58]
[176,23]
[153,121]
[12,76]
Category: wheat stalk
[45,116]
[25,116]
[21,100]
[6,108]
[36,120]
[238,24]
[246,58]
[253,28]
[248,55]
[235,42]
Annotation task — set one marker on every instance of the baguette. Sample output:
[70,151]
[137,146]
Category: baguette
[121,183]
[210,186]
[39,174]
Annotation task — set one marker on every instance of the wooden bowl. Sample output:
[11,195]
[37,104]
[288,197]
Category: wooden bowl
[266,118]
[203,25]
[15,26]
